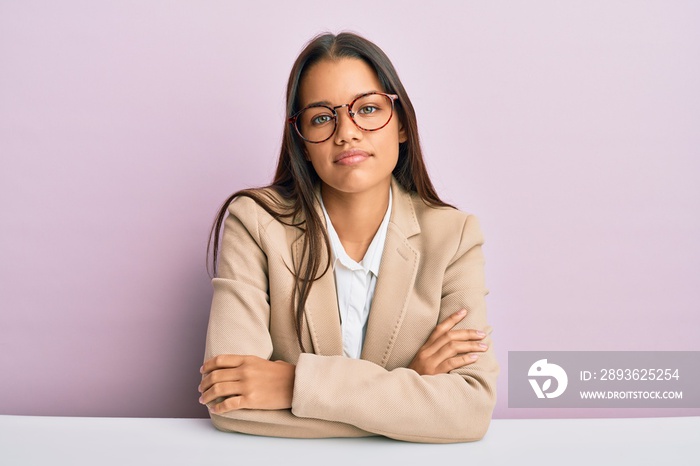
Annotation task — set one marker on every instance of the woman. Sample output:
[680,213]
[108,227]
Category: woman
[348,298]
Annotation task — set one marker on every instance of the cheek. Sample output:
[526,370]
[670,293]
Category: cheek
[316,155]
[390,144]
[314,152]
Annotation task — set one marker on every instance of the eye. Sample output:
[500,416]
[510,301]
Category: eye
[321,119]
[368,110]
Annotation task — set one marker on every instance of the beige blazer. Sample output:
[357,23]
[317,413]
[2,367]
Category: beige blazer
[432,266]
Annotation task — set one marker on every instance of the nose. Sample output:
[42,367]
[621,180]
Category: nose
[346,129]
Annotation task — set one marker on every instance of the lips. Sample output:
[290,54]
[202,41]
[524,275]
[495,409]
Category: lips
[351,157]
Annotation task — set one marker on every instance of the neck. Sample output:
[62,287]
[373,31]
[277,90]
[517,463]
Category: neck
[356,217]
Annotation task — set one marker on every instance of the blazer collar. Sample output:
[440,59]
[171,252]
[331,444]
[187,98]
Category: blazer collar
[397,274]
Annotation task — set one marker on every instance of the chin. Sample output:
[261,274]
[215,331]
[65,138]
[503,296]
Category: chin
[356,185]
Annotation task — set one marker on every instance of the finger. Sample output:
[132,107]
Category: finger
[219,376]
[446,325]
[222,361]
[221,390]
[456,362]
[229,404]
[455,348]
[460,335]
[450,350]
[430,349]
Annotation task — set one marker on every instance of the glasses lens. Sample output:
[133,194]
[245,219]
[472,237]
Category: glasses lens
[316,124]
[372,111]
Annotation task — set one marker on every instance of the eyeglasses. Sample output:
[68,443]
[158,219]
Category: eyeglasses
[372,111]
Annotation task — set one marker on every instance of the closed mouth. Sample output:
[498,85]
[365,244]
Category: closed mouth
[350,153]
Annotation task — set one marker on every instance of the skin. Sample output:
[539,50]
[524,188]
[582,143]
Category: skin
[356,195]
[355,169]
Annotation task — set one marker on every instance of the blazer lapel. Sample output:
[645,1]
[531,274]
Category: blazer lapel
[397,274]
[322,317]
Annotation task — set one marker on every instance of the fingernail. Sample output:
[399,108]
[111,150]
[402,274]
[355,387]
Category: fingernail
[201,370]
[483,345]
[474,356]
[201,400]
[462,312]
[480,333]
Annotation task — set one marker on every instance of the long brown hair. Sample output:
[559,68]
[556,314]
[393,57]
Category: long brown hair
[295,178]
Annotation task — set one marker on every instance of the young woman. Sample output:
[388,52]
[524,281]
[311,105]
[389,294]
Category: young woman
[348,298]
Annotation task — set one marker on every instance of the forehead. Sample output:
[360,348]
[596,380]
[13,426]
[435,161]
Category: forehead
[337,81]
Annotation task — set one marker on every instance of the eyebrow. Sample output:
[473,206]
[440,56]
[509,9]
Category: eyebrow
[327,103]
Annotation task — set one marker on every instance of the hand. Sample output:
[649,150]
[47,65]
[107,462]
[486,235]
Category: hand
[448,349]
[232,381]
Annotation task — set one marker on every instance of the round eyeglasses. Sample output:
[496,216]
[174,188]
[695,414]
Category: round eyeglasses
[370,112]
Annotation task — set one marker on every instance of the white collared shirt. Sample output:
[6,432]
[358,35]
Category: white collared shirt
[355,283]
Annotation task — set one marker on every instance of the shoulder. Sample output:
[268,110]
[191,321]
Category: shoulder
[434,219]
[447,228]
[263,214]
[259,204]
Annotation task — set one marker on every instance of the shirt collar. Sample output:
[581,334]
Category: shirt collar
[373,257]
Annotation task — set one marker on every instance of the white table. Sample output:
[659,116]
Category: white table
[32,440]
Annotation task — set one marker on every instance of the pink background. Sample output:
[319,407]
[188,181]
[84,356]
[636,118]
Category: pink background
[569,128]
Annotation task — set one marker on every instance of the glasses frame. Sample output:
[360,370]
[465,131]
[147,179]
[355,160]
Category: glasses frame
[293,119]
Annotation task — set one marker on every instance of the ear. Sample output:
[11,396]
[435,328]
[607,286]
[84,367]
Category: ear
[403,136]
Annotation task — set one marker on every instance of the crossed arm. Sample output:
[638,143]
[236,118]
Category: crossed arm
[233,381]
[445,394]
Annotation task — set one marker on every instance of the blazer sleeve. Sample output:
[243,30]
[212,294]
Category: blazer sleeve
[400,403]
[239,324]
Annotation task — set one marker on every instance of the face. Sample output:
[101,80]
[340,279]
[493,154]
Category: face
[352,161]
